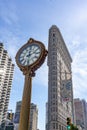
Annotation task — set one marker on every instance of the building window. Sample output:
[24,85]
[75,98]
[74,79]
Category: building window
[53,53]
[62,127]
[54,49]
[59,127]
[53,95]
[54,89]
[53,77]
[54,67]
[53,40]
[56,125]
[54,83]
[53,125]
[53,34]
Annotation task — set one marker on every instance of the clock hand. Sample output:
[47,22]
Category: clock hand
[28,55]
[34,52]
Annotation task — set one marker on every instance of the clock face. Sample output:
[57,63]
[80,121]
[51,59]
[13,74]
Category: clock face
[29,54]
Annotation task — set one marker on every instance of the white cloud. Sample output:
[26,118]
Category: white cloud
[11,42]
[79,69]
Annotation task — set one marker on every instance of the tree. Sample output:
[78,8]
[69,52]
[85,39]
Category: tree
[73,127]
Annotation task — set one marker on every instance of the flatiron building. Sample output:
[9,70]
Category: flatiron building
[59,70]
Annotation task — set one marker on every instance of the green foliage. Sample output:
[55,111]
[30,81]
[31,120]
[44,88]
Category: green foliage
[73,127]
[70,126]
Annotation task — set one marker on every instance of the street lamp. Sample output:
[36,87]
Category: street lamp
[29,58]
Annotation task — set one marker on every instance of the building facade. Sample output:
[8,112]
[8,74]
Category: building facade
[59,70]
[33,116]
[46,116]
[6,76]
[81,113]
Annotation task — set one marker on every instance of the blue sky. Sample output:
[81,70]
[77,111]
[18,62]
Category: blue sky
[22,19]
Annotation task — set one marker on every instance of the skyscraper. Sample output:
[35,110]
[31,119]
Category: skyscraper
[46,115]
[33,116]
[6,76]
[59,70]
[81,113]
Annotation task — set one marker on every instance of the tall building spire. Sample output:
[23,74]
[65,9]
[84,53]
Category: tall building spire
[59,69]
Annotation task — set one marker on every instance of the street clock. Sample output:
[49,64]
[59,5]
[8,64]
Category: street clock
[31,56]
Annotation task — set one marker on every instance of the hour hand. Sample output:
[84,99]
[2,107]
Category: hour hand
[29,54]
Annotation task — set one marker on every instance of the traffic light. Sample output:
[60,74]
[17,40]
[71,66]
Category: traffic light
[10,116]
[68,123]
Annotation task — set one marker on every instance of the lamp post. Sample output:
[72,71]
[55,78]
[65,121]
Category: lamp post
[29,58]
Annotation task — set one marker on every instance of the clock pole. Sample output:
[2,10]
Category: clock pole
[26,100]
[29,72]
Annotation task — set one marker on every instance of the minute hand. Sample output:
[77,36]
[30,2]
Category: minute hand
[34,52]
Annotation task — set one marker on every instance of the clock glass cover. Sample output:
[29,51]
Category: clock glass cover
[29,54]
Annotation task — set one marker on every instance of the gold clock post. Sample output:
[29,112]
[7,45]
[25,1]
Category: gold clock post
[25,108]
[32,48]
